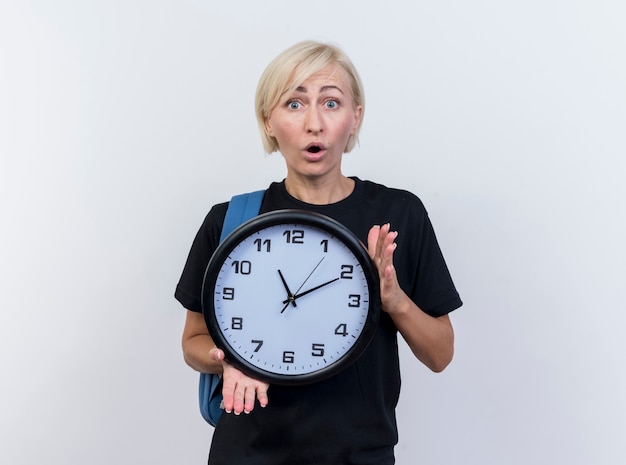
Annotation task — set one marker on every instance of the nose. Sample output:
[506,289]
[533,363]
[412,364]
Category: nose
[313,120]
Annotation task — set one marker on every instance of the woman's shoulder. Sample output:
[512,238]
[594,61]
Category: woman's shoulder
[383,193]
[211,226]
[216,214]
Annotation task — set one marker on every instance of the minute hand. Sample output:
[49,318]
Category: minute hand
[311,290]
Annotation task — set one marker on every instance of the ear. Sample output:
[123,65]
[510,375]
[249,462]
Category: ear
[358,114]
[268,127]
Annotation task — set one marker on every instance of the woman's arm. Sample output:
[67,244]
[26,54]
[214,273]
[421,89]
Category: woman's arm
[198,347]
[431,339]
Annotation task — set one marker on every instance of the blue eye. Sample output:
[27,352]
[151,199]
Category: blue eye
[293,105]
[332,104]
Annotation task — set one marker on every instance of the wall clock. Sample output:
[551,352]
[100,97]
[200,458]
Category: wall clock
[292,297]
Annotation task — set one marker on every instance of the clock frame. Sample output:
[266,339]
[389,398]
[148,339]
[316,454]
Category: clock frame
[292,297]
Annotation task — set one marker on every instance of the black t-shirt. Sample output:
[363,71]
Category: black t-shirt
[349,418]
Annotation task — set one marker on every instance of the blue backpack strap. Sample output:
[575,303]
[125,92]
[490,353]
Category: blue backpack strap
[241,208]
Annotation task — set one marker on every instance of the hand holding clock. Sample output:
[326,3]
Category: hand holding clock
[239,390]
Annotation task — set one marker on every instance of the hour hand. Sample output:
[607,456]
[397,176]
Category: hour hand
[291,298]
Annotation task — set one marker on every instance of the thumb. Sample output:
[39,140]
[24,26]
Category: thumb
[218,354]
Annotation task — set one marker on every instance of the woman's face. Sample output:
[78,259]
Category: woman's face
[312,125]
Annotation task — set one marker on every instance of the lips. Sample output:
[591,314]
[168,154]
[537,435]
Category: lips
[315,147]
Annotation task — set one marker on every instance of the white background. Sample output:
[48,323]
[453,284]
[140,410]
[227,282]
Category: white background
[122,122]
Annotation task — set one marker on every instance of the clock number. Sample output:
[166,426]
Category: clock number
[228,293]
[317,350]
[324,245]
[354,300]
[243,267]
[346,271]
[342,330]
[258,343]
[267,243]
[236,323]
[288,356]
[295,236]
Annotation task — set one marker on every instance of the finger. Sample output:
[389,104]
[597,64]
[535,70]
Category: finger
[228,394]
[384,232]
[239,398]
[387,247]
[249,398]
[218,354]
[389,271]
[230,378]
[238,402]
[372,240]
[390,245]
[261,395]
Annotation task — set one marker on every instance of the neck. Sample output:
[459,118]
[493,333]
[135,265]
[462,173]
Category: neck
[319,192]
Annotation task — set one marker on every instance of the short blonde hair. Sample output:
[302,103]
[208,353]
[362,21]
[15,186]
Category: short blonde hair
[289,70]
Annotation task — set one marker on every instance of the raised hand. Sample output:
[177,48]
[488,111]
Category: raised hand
[381,246]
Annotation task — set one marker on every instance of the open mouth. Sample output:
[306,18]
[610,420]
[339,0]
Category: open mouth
[314,149]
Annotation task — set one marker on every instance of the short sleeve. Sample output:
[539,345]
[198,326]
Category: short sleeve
[433,289]
[189,289]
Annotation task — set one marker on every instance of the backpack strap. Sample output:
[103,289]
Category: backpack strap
[241,208]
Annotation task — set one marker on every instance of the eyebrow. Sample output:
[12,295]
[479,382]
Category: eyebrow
[323,89]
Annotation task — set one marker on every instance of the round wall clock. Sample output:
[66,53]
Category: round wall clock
[292,297]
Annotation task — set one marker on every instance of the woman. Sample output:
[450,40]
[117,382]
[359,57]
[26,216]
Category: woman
[310,106]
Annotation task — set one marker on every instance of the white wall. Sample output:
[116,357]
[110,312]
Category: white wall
[122,122]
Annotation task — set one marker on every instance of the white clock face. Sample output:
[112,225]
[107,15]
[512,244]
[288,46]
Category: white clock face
[291,300]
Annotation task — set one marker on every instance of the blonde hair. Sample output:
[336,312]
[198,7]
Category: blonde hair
[289,70]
